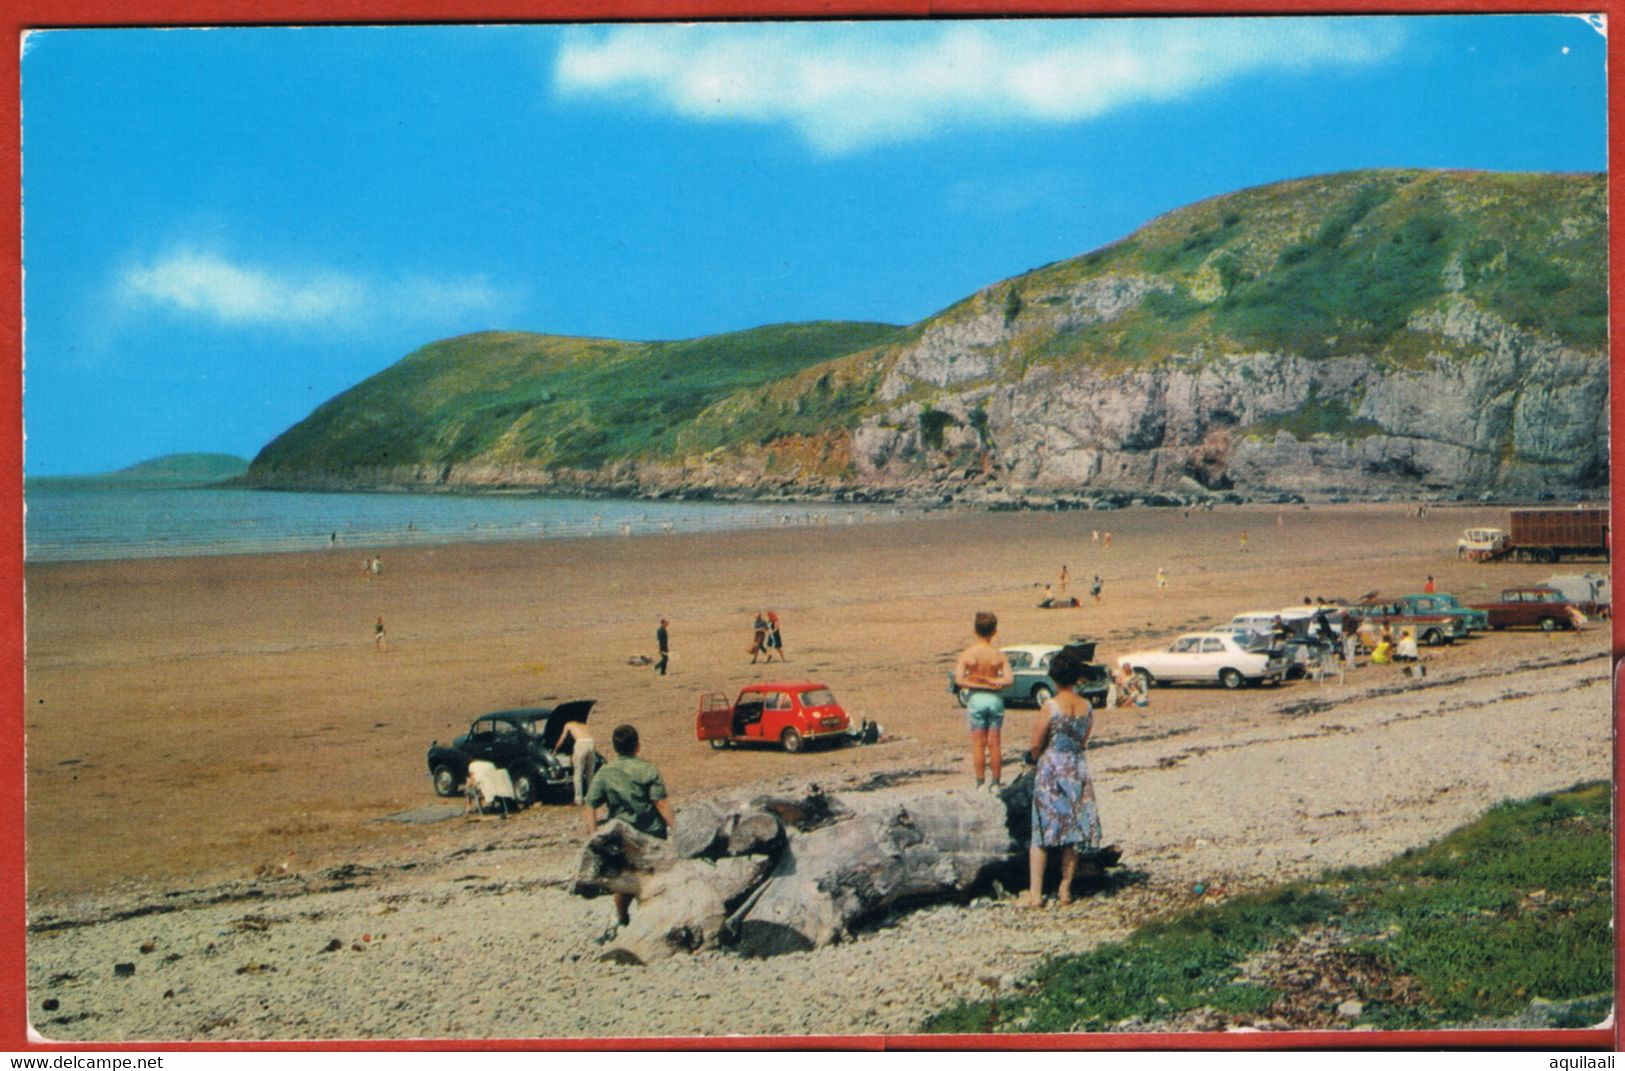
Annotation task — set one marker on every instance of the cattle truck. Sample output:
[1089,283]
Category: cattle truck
[1541,535]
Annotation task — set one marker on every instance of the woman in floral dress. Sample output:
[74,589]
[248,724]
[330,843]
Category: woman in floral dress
[1064,814]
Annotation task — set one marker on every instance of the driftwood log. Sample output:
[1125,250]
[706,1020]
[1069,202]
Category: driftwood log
[783,875]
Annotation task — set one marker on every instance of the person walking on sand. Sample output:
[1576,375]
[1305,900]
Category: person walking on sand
[380,642]
[376,566]
[1094,588]
[983,671]
[665,653]
[758,642]
[1064,812]
[1429,588]
[1106,540]
[1064,578]
[1162,580]
[1241,541]
[775,638]
[630,790]
[581,756]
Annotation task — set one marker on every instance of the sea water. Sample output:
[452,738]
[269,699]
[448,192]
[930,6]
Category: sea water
[64,522]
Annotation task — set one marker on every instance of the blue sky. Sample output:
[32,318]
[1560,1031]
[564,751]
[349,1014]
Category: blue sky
[224,228]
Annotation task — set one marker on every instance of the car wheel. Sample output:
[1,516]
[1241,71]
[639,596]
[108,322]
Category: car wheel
[446,781]
[1042,693]
[792,741]
[1230,678]
[1548,624]
[1146,679]
[1433,638]
[524,787]
[719,743]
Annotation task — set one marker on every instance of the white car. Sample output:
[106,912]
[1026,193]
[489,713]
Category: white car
[1206,657]
[1480,542]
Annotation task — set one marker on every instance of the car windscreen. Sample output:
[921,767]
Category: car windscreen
[818,697]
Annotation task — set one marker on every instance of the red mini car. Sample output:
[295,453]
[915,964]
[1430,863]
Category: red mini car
[791,715]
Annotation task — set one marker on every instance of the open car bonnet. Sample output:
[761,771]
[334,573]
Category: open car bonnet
[574,710]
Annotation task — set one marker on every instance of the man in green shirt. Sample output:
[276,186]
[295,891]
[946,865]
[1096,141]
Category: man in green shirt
[630,789]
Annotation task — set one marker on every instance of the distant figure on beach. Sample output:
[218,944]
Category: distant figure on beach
[1064,811]
[1064,578]
[1130,688]
[1241,541]
[1106,540]
[1094,587]
[333,540]
[581,754]
[660,642]
[1323,628]
[1094,535]
[380,642]
[983,671]
[758,642]
[376,566]
[775,638]
[1405,650]
[630,790]
[1429,587]
[1351,640]
[1162,580]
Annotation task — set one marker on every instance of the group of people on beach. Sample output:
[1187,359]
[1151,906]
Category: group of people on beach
[766,637]
[1064,815]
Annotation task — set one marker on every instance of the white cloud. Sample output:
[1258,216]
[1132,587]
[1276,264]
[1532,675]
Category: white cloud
[852,86]
[210,286]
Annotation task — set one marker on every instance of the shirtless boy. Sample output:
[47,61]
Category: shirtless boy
[983,671]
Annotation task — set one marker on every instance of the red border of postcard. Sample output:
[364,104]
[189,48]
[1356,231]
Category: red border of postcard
[23,15]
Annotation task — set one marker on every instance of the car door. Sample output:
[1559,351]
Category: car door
[482,740]
[1022,675]
[1214,657]
[1183,661]
[777,714]
[715,718]
[509,744]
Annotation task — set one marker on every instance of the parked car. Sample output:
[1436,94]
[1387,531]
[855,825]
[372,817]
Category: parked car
[1029,665]
[1207,657]
[1481,543]
[1432,629]
[1591,592]
[791,715]
[1290,632]
[1436,603]
[519,742]
[1542,608]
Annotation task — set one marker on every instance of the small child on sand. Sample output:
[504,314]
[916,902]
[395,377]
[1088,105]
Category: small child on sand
[983,671]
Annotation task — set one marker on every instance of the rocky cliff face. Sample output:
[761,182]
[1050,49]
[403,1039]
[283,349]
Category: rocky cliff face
[1491,406]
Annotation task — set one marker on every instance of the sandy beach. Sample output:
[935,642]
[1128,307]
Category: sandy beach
[218,739]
